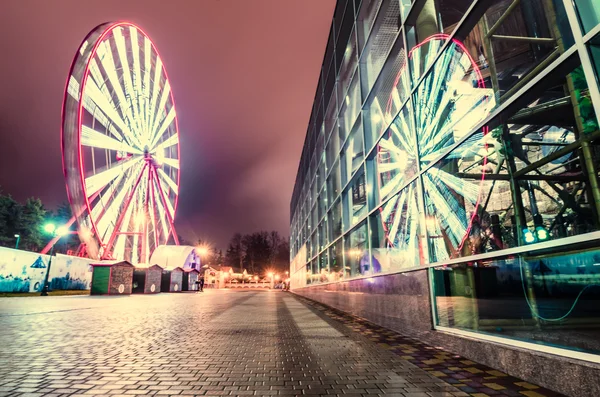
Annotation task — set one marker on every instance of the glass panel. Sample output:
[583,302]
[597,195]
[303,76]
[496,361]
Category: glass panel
[333,148]
[551,299]
[395,233]
[396,158]
[594,46]
[530,180]
[323,240]
[314,243]
[312,272]
[323,267]
[348,67]
[335,220]
[330,115]
[334,185]
[449,102]
[357,199]
[589,13]
[391,92]
[350,110]
[365,19]
[357,252]
[336,261]
[323,203]
[353,154]
[380,43]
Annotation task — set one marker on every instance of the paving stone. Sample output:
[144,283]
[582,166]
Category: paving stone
[214,344]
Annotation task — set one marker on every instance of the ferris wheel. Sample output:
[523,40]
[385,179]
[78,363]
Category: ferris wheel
[120,145]
[449,100]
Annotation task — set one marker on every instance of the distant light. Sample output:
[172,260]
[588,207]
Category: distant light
[528,236]
[376,118]
[347,100]
[542,233]
[17,235]
[61,231]
[277,277]
[49,228]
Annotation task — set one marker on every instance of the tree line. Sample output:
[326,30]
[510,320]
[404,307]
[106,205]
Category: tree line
[258,252]
[27,220]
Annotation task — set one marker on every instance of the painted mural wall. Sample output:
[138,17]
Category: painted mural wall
[24,271]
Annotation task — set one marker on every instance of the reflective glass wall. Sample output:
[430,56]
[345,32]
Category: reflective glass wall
[460,136]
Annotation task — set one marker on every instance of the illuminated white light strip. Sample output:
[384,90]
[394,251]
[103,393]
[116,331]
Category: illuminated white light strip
[169,181]
[119,244]
[93,183]
[166,122]
[155,88]
[94,93]
[113,210]
[137,82]
[397,217]
[161,106]
[127,80]
[161,210]
[389,187]
[172,162]
[147,70]
[97,209]
[172,140]
[104,53]
[96,139]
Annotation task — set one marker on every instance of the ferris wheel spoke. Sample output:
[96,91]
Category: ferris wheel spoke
[109,215]
[97,181]
[171,162]
[96,139]
[161,209]
[127,80]
[95,95]
[166,202]
[137,80]
[161,106]
[108,63]
[163,175]
[155,88]
[170,141]
[147,70]
[165,124]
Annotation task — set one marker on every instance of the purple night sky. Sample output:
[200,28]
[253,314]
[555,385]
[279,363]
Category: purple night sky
[243,73]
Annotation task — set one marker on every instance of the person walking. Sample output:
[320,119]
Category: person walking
[201,284]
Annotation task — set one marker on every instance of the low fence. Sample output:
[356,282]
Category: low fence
[24,271]
[248,285]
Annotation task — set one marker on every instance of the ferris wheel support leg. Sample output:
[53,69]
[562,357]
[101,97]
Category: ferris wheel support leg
[113,237]
[164,201]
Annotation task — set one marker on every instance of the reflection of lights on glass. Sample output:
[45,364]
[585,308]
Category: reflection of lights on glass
[376,118]
[49,228]
[528,236]
[542,234]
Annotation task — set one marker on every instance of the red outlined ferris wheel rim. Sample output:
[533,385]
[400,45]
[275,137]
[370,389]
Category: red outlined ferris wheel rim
[105,28]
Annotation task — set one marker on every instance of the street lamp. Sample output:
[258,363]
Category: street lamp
[18,237]
[54,231]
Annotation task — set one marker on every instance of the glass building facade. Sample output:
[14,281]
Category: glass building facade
[460,138]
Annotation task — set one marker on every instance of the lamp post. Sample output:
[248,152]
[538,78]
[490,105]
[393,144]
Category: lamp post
[51,229]
[18,237]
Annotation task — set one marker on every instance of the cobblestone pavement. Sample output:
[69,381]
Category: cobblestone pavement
[207,344]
